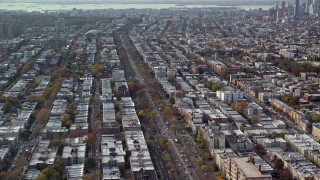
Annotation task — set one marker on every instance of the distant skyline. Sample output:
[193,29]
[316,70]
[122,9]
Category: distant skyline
[189,2]
[130,1]
[65,5]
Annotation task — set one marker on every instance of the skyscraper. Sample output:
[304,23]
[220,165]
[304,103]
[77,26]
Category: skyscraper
[297,10]
[60,25]
[277,15]
[283,5]
[316,6]
[9,30]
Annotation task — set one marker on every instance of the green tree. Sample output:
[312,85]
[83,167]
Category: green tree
[204,168]
[202,142]
[216,87]
[90,163]
[66,120]
[200,162]
[172,100]
[315,117]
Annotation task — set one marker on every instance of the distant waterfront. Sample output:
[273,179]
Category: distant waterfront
[66,7]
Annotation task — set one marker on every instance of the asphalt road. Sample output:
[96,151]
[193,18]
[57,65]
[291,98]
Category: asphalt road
[137,76]
[165,131]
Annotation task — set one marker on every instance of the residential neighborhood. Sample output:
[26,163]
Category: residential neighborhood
[161,93]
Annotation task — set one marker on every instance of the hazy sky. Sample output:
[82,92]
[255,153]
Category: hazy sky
[130,0]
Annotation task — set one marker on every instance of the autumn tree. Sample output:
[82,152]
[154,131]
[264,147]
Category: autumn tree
[260,149]
[163,143]
[239,107]
[119,116]
[38,99]
[27,66]
[219,176]
[43,115]
[278,163]
[71,110]
[51,91]
[13,175]
[151,115]
[97,70]
[46,92]
[167,112]
[7,106]
[286,174]
[91,140]
[37,129]
[134,87]
[51,172]
[96,126]
[60,72]
[66,120]
[90,176]
[58,143]
[173,127]
[291,101]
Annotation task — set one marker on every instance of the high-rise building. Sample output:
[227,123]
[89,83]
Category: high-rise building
[297,10]
[60,25]
[13,30]
[277,15]
[304,8]
[283,5]
[9,30]
[316,6]
[2,29]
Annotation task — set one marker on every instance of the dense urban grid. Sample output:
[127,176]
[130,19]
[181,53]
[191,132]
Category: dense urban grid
[178,93]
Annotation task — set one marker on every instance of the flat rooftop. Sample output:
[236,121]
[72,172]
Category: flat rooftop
[248,169]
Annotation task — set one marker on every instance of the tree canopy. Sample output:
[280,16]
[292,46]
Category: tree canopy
[43,115]
[315,117]
[278,163]
[97,70]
